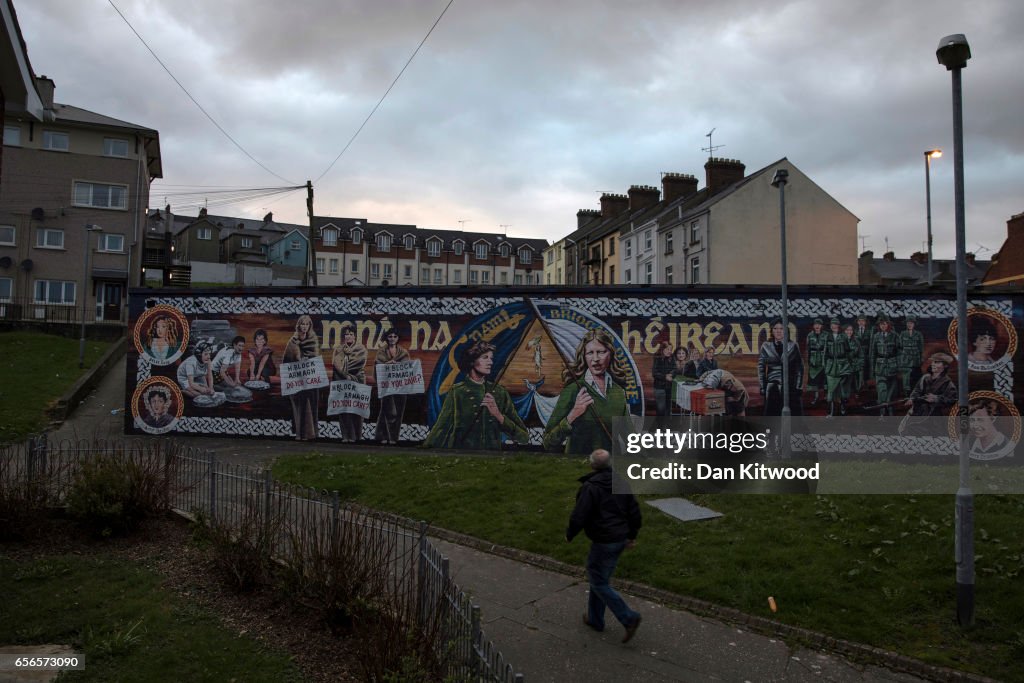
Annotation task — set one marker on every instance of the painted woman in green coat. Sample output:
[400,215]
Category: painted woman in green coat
[840,354]
[476,413]
[582,419]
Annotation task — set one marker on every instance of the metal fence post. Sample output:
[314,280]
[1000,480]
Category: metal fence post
[335,520]
[268,483]
[30,453]
[475,638]
[213,487]
[421,575]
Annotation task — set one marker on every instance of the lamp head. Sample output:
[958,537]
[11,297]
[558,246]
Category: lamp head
[953,51]
[933,153]
[781,177]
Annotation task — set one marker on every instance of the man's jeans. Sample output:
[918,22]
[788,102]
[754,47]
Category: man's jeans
[600,565]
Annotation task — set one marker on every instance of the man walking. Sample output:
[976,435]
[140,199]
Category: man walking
[611,522]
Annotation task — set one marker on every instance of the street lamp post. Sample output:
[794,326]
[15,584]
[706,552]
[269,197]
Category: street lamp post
[953,53]
[89,227]
[779,180]
[932,153]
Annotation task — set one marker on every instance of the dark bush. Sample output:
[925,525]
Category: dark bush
[112,493]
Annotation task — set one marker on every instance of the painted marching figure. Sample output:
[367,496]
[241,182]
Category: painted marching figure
[883,363]
[348,362]
[816,339]
[392,408]
[863,336]
[477,413]
[840,355]
[770,365]
[910,355]
[304,344]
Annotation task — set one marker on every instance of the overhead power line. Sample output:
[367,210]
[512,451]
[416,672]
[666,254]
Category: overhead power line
[381,100]
[195,101]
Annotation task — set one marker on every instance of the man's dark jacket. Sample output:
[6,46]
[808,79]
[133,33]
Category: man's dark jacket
[605,517]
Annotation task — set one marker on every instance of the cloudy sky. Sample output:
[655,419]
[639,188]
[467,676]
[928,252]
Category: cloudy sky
[519,112]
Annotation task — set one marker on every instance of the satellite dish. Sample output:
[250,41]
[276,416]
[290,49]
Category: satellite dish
[5,262]
[26,265]
[38,214]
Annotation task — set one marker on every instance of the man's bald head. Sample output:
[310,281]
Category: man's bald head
[599,459]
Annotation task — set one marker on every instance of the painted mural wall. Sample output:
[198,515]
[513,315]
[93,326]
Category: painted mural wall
[546,369]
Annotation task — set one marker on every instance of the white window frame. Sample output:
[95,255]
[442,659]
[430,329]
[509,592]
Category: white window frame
[504,277]
[649,272]
[12,136]
[410,242]
[474,277]
[518,279]
[668,275]
[81,187]
[695,270]
[458,247]
[611,275]
[629,248]
[647,240]
[485,277]
[457,277]
[407,271]
[695,232]
[332,264]
[551,257]
[4,241]
[320,265]
[375,271]
[52,137]
[525,255]
[204,234]
[480,251]
[111,147]
[503,250]
[384,243]
[10,288]
[64,288]
[357,236]
[43,238]
[329,237]
[354,266]
[438,276]
[106,238]
[295,245]
[387,272]
[434,248]
[668,242]
[425,275]
[629,277]
[246,243]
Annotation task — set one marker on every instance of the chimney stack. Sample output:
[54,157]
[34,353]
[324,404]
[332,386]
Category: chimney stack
[642,196]
[919,257]
[202,212]
[969,258]
[889,256]
[45,86]
[1015,225]
[584,216]
[676,185]
[613,204]
[721,173]
[269,218]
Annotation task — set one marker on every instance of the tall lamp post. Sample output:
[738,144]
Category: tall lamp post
[89,227]
[953,53]
[928,156]
[779,180]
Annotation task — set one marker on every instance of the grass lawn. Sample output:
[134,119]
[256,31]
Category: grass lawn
[129,629]
[876,569]
[35,369]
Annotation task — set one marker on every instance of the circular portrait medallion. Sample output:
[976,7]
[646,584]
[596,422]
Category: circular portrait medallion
[161,334]
[156,405]
[991,339]
[994,426]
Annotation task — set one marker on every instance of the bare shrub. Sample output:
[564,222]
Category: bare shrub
[242,546]
[30,485]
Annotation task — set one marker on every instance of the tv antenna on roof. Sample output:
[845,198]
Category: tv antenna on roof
[710,149]
[863,243]
[462,223]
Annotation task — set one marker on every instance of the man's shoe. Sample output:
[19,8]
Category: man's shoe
[587,623]
[631,630]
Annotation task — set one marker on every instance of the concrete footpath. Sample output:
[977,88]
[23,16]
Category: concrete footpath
[534,615]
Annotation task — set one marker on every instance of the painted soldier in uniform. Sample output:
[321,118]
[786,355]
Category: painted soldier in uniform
[863,336]
[476,412]
[349,363]
[910,355]
[816,359]
[933,396]
[882,360]
[769,373]
[840,362]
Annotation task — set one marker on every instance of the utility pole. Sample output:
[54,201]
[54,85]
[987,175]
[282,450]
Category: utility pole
[311,271]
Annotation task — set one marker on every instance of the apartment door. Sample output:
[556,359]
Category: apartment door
[108,301]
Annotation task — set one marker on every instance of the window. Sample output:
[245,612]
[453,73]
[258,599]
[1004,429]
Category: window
[649,272]
[694,232]
[12,135]
[295,245]
[383,242]
[330,237]
[6,288]
[458,248]
[59,142]
[647,240]
[504,278]
[55,292]
[503,250]
[668,275]
[375,271]
[473,277]
[485,277]
[695,270]
[611,275]
[629,276]
[410,242]
[7,235]
[425,275]
[50,238]
[115,147]
[457,277]
[434,248]
[438,276]
[525,255]
[204,234]
[354,267]
[357,236]
[110,242]
[481,251]
[595,253]
[519,279]
[549,279]
[611,247]
[101,196]
[668,242]
[551,257]
[333,264]
[558,276]
[320,266]
[629,248]
[407,272]
[246,243]
[387,271]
